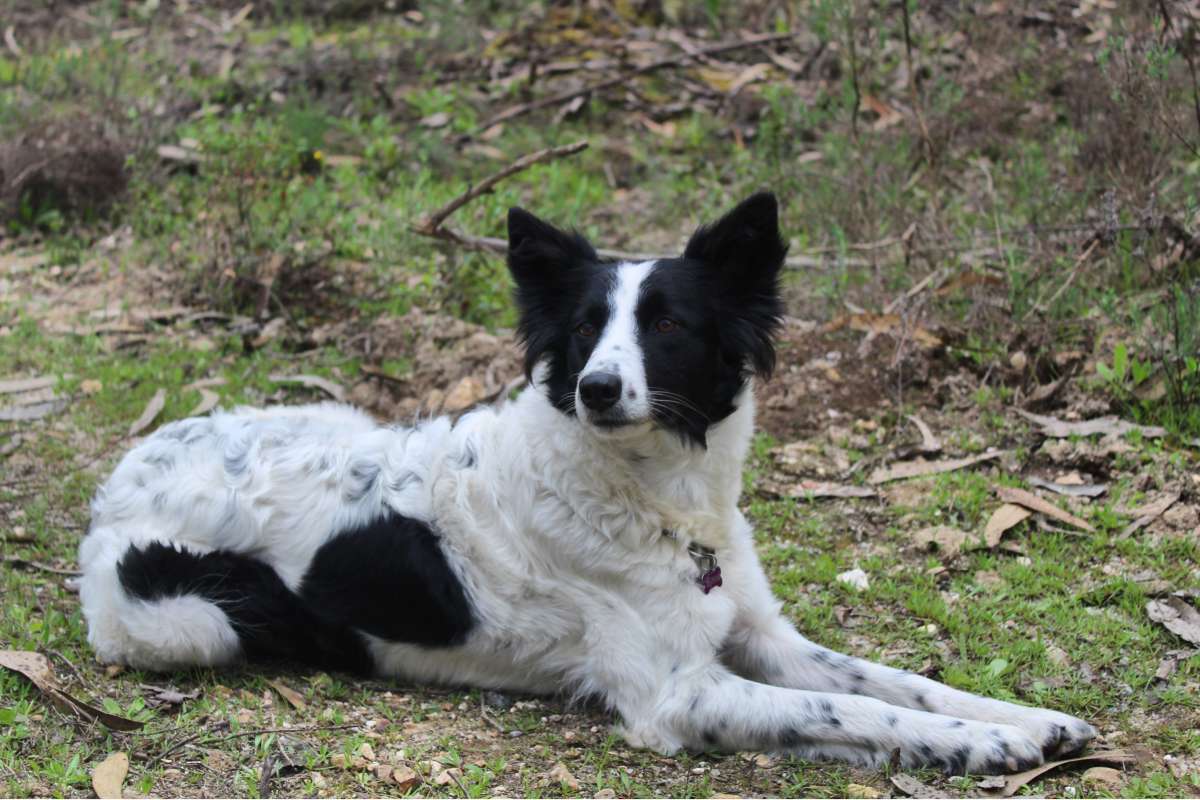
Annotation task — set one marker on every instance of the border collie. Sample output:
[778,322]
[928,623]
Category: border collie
[584,538]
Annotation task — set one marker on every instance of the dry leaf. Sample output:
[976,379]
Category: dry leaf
[15,385]
[859,791]
[438,120]
[1034,503]
[913,787]
[168,696]
[109,776]
[466,393]
[1014,783]
[314,382]
[1148,513]
[929,442]
[1003,518]
[23,412]
[949,541]
[36,667]
[919,467]
[1176,615]
[892,324]
[208,401]
[294,698]
[1109,426]
[814,489]
[1070,489]
[152,409]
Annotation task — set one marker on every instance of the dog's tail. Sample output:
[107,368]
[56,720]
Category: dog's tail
[164,606]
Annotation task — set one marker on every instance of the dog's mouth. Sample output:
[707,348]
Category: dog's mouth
[612,421]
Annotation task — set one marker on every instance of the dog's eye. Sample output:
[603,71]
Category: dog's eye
[666,325]
[586,329]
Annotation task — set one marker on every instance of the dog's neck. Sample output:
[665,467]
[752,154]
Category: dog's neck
[633,485]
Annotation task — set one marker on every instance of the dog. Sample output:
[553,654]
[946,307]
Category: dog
[582,539]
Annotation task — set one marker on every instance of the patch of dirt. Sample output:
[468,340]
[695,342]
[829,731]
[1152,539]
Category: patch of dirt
[822,376]
[455,364]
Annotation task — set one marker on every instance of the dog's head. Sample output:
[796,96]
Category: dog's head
[669,342]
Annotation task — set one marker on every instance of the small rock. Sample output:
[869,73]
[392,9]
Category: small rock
[764,761]
[1019,361]
[989,579]
[606,794]
[405,777]
[560,774]
[383,771]
[1058,656]
[318,780]
[861,792]
[1104,776]
[338,761]
[367,752]
[854,578]
[448,776]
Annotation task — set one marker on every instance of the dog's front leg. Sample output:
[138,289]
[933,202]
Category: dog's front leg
[765,647]
[713,709]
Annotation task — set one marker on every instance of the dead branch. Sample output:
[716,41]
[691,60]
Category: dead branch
[430,225]
[490,244]
[681,58]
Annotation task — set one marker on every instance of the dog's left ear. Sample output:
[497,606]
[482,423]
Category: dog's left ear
[744,252]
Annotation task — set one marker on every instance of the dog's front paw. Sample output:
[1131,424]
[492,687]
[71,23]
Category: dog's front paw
[1059,734]
[964,746]
[998,749]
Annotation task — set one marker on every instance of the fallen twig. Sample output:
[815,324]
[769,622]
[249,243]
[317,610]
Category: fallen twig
[430,225]
[240,734]
[17,561]
[565,97]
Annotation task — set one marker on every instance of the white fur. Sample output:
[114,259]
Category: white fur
[618,350]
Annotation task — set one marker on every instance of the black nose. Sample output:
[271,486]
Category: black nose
[600,390]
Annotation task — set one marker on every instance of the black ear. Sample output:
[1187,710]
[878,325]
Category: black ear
[746,240]
[538,251]
[546,264]
[744,253]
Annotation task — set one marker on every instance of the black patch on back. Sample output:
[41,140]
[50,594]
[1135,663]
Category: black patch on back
[390,579]
[270,620]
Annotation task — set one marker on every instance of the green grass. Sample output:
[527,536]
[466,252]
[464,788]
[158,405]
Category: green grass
[1002,171]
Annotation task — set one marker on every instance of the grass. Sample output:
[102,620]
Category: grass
[1012,160]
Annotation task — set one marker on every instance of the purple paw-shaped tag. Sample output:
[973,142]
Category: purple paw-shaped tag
[710,580]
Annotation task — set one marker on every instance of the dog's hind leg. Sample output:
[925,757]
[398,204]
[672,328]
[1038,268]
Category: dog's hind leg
[765,647]
[717,710]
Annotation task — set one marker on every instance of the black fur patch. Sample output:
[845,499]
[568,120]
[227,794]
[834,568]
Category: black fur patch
[271,621]
[390,579]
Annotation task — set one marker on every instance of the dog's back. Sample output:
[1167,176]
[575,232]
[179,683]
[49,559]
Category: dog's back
[204,542]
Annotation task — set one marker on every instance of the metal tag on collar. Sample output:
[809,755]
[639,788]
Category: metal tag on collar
[706,560]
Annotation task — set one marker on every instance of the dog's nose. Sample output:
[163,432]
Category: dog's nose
[600,391]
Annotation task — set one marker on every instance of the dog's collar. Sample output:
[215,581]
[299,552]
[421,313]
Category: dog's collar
[706,560]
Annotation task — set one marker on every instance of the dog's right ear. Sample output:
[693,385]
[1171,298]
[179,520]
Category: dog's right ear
[539,253]
[544,261]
